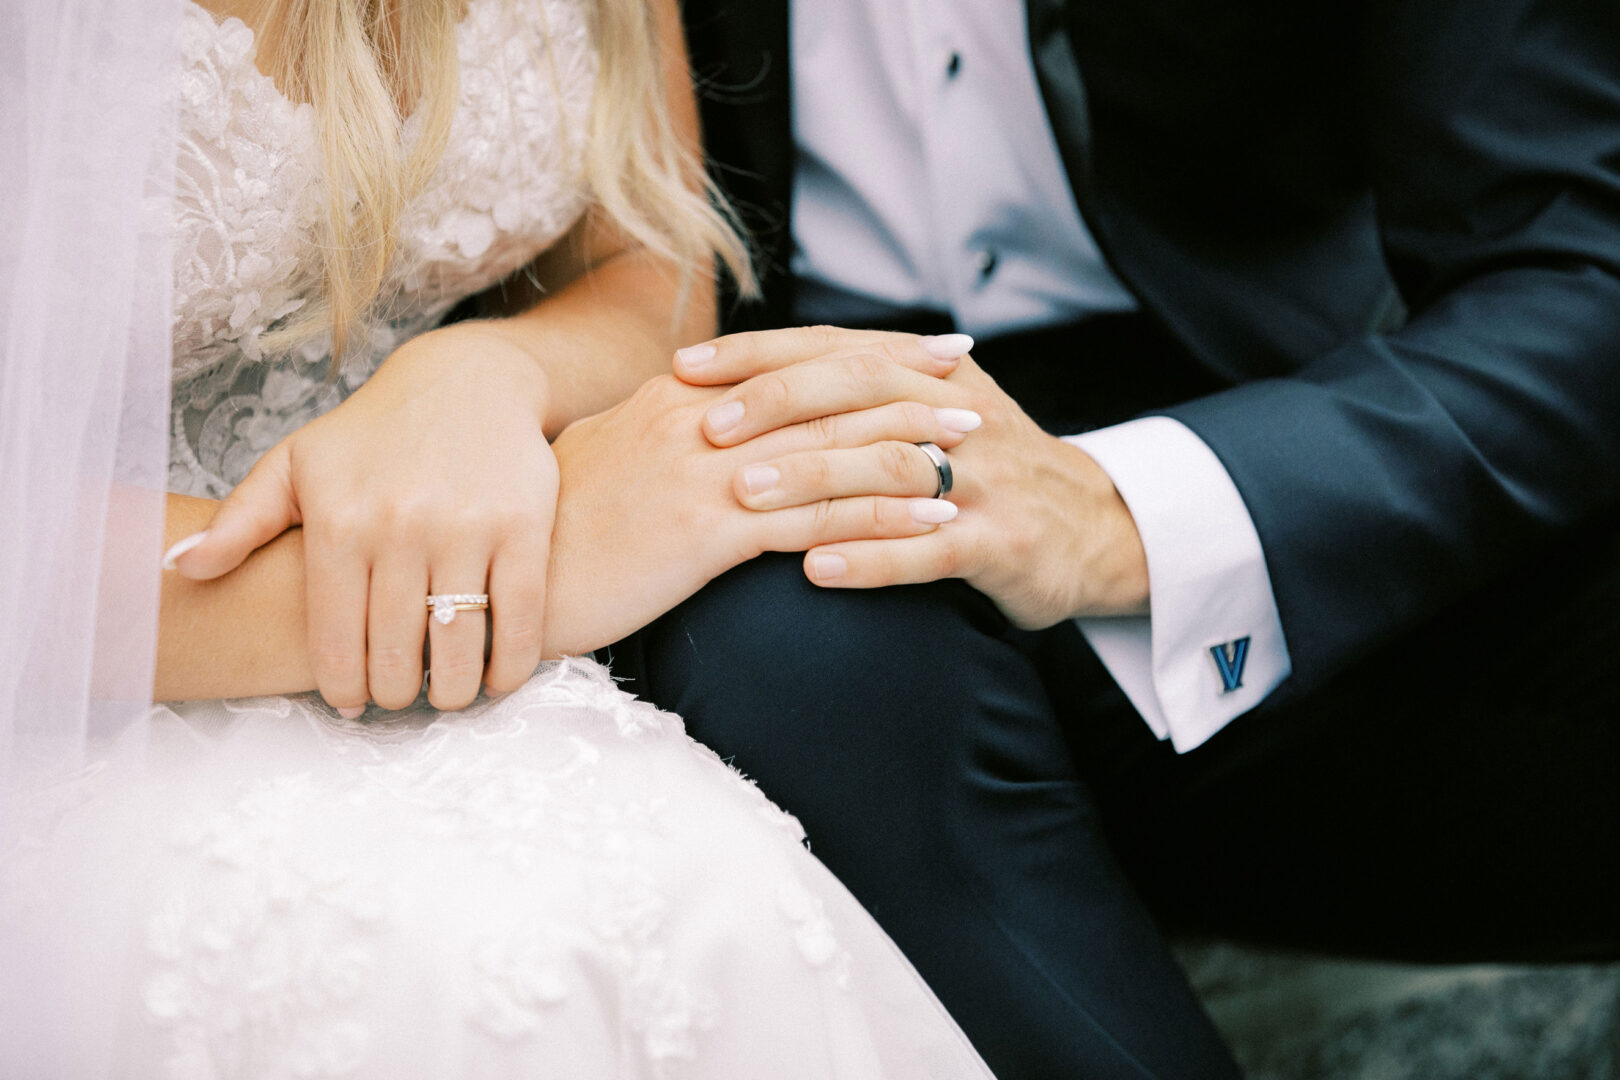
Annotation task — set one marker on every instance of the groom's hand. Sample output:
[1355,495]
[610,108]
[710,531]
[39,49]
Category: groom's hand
[1042,530]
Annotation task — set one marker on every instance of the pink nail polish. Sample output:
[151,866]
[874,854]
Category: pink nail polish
[354,712]
[696,355]
[828,567]
[932,511]
[181,547]
[758,478]
[961,421]
[725,416]
[947,346]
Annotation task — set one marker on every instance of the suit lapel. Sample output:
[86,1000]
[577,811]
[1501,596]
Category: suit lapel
[741,64]
[1069,112]
[1064,94]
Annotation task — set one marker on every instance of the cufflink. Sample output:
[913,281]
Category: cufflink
[1230,656]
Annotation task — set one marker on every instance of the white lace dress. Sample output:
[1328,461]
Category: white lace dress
[555,884]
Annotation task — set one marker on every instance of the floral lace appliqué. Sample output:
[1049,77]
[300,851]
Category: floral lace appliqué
[249,198]
[271,944]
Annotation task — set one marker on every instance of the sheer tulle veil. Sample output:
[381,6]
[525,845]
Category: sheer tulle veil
[86,162]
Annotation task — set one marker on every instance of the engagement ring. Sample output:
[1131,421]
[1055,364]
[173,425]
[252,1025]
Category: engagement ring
[445,605]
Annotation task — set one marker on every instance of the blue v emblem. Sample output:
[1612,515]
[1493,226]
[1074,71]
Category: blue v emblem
[1230,657]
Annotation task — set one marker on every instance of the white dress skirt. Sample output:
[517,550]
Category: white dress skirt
[557,883]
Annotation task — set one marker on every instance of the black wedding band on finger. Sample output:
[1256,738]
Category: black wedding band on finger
[942,466]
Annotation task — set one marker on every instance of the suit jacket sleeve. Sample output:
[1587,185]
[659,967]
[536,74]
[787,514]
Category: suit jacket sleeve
[1402,470]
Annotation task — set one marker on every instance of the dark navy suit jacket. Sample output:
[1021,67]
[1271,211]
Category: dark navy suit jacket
[1391,228]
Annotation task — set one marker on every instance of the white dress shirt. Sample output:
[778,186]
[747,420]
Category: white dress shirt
[927,177]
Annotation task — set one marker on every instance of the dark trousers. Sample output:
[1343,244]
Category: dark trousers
[994,801]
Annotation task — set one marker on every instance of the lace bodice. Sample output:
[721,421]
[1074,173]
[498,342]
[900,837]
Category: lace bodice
[249,198]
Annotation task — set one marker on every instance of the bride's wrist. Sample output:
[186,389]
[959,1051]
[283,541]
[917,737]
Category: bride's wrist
[487,348]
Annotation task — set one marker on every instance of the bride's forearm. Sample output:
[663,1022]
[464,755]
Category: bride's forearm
[608,330]
[236,636]
[603,323]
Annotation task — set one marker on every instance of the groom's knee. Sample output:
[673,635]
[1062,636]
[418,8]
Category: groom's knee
[783,677]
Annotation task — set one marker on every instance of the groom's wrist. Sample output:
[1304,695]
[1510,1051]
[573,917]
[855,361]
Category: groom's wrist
[1110,574]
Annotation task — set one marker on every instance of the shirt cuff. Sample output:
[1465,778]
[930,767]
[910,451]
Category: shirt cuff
[1211,647]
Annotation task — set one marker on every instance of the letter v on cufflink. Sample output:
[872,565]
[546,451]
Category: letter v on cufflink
[1230,656]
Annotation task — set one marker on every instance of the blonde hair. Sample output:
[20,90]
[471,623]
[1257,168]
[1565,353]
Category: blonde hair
[362,63]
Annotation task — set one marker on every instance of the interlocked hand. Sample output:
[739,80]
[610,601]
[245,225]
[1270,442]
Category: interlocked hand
[648,510]
[1042,530]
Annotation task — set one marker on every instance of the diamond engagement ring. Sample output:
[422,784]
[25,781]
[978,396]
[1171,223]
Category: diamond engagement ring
[445,605]
[942,466]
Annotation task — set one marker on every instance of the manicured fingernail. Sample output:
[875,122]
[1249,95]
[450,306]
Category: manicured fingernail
[932,511]
[353,712]
[947,346]
[959,420]
[696,355]
[181,548]
[758,478]
[725,416]
[828,567]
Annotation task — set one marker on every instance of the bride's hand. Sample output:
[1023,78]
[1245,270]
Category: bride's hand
[434,477]
[648,510]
